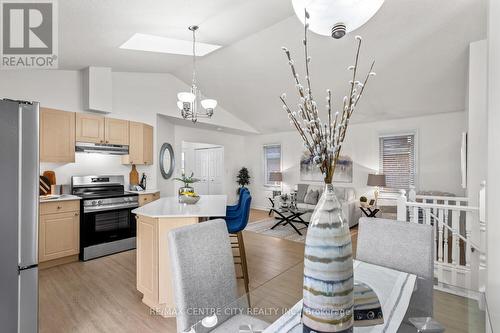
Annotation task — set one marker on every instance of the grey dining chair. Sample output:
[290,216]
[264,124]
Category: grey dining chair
[204,278]
[406,247]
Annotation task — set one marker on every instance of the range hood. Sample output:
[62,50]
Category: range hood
[85,147]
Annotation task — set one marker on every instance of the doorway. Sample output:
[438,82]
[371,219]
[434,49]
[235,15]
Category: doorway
[207,163]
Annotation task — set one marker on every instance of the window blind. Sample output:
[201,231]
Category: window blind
[272,161]
[397,160]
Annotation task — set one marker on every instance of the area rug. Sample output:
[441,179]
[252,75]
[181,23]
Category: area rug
[282,231]
[263,227]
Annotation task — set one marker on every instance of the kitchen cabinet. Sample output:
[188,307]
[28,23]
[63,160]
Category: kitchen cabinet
[140,144]
[90,128]
[57,136]
[99,129]
[148,198]
[59,230]
[116,131]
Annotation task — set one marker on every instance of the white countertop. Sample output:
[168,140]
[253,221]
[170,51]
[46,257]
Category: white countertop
[208,206]
[143,192]
[64,197]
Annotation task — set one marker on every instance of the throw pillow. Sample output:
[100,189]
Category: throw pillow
[301,192]
[311,197]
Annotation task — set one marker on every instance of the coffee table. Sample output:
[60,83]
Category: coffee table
[288,216]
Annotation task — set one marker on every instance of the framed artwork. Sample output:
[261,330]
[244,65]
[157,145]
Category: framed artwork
[310,172]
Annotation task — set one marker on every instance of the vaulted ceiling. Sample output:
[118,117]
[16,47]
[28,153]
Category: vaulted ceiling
[420,48]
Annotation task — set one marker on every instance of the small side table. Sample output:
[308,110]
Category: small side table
[369,211]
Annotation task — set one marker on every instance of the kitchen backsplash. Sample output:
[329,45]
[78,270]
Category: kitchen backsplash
[96,164]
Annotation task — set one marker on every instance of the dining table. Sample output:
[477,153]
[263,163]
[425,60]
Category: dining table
[278,302]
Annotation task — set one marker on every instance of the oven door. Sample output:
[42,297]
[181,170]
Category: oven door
[107,226]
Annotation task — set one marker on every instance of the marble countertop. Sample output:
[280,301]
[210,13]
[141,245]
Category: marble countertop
[143,192]
[64,197]
[208,206]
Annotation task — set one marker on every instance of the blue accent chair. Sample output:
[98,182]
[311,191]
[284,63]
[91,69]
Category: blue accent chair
[237,206]
[236,221]
[234,212]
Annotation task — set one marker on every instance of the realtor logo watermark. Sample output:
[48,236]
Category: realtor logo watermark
[29,34]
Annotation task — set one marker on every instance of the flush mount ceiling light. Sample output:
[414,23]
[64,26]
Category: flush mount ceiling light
[151,43]
[335,18]
[188,101]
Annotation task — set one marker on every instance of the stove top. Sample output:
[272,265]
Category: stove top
[99,187]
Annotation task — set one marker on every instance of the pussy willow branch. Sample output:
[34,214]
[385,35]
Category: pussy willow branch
[323,141]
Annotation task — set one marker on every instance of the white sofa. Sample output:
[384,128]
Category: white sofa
[346,196]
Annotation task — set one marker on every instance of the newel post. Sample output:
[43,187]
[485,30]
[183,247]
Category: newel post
[402,205]
[412,194]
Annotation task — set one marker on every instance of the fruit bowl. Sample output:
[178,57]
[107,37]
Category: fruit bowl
[189,199]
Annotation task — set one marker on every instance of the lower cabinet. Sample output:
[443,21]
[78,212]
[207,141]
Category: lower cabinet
[59,232]
[147,198]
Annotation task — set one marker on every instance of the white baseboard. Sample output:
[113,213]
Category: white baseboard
[260,207]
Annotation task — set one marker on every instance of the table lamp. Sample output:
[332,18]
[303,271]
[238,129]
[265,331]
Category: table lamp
[377,181]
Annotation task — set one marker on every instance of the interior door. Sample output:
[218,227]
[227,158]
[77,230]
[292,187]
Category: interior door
[216,171]
[201,171]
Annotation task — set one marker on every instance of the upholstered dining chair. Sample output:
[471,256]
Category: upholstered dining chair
[234,208]
[236,222]
[406,247]
[204,277]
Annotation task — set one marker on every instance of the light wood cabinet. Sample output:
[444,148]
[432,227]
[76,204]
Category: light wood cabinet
[90,128]
[140,144]
[59,230]
[57,136]
[116,131]
[147,198]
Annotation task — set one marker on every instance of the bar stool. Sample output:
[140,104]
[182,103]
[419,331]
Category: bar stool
[236,221]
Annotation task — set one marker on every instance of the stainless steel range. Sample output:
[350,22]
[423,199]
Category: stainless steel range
[107,224]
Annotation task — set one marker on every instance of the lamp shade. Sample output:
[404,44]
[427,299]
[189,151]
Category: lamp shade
[376,180]
[276,176]
[186,97]
[209,103]
[327,16]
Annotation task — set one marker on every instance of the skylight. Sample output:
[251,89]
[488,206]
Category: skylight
[151,43]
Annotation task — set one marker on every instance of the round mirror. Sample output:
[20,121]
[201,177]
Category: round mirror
[167,160]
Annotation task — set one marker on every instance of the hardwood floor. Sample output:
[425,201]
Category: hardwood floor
[100,295]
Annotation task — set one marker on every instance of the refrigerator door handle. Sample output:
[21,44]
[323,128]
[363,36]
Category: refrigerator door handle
[28,184]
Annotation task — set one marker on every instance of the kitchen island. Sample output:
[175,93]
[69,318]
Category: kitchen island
[154,221]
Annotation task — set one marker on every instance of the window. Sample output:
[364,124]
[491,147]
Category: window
[272,162]
[397,160]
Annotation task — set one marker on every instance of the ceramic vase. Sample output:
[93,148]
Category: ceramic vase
[328,269]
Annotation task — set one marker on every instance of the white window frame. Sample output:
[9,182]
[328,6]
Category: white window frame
[415,153]
[264,164]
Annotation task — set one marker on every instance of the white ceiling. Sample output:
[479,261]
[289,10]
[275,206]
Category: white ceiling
[420,48]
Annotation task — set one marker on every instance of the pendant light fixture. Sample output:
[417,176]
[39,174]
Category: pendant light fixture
[189,102]
[335,18]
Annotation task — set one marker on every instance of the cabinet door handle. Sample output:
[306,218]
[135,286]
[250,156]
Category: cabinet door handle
[76,214]
[59,207]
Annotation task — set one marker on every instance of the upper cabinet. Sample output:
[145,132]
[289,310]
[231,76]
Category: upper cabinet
[116,131]
[89,128]
[99,129]
[140,144]
[57,136]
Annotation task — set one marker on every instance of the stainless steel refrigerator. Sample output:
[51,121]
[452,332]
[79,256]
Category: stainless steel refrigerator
[19,182]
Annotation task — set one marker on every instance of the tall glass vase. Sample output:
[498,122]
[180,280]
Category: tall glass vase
[328,271]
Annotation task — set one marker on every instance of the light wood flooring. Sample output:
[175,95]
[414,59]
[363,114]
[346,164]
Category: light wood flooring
[101,296]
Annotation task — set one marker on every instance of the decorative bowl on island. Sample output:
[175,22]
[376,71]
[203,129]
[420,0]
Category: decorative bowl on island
[189,198]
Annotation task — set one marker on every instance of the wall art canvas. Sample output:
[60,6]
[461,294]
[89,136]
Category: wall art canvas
[310,172]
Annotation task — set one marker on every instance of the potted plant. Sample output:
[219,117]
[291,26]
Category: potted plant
[243,178]
[187,193]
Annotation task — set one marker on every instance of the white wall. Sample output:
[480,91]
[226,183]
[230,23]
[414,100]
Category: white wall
[438,153]
[477,119]
[234,154]
[493,182]
[136,96]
